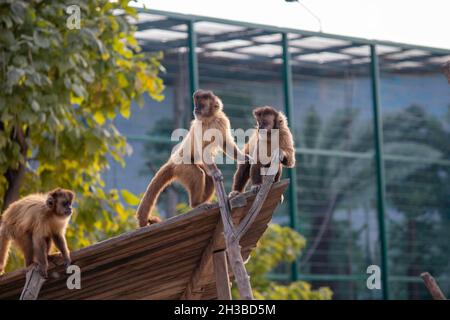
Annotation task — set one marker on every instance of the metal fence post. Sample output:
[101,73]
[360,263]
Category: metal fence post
[292,173]
[379,169]
[193,65]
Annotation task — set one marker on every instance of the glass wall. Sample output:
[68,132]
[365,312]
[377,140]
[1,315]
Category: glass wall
[335,172]
[415,103]
[242,66]
[332,120]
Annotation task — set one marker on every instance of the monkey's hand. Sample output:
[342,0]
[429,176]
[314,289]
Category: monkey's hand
[143,222]
[233,194]
[43,270]
[282,157]
[67,262]
[217,175]
[249,159]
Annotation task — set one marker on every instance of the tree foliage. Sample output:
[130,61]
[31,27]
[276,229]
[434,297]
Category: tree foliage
[279,245]
[60,91]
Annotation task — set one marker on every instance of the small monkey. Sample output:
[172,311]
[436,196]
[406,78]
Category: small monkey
[195,176]
[34,223]
[267,118]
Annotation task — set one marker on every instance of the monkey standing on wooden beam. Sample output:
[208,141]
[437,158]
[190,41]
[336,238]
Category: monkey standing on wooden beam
[33,223]
[193,173]
[267,119]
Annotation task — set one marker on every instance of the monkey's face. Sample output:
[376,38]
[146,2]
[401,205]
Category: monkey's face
[60,202]
[266,119]
[206,104]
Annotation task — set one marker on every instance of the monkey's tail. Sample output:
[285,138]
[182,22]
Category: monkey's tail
[160,181]
[5,243]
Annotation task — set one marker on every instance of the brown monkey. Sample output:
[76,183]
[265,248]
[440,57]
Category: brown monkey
[33,223]
[193,175]
[267,118]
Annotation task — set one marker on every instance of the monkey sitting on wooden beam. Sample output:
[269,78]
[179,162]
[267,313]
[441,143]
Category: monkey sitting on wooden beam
[272,134]
[33,223]
[189,164]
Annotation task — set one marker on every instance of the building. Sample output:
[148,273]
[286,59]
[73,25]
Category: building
[371,121]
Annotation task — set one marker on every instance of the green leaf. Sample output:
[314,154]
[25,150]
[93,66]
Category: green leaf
[99,118]
[35,105]
[129,198]
[14,75]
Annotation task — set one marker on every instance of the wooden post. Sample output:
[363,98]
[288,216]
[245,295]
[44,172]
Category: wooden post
[432,286]
[33,284]
[231,240]
[221,275]
[231,233]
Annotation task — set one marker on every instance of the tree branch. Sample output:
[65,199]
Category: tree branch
[15,176]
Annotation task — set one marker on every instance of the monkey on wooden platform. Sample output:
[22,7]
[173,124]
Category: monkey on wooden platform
[267,119]
[33,223]
[193,174]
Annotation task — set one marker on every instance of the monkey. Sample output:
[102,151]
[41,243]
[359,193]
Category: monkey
[196,175]
[33,223]
[267,118]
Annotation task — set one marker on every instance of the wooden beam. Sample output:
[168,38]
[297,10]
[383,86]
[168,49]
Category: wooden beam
[432,286]
[221,275]
[33,284]
[194,289]
[231,241]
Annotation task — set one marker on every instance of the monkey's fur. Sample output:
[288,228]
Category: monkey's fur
[33,223]
[195,177]
[267,118]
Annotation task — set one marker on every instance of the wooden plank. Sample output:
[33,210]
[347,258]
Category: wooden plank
[221,275]
[33,284]
[203,273]
[147,252]
[121,276]
[432,286]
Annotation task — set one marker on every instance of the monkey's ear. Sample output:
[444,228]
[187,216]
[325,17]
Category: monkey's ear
[71,195]
[50,201]
[281,119]
[256,112]
[218,105]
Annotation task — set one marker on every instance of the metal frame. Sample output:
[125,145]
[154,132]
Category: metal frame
[288,98]
[379,169]
[288,105]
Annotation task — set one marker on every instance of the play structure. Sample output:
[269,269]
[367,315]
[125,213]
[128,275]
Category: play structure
[190,256]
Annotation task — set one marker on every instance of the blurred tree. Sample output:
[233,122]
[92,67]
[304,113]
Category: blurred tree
[420,202]
[279,244]
[60,91]
[417,194]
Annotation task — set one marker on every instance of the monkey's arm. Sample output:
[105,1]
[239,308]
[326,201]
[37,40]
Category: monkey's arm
[61,245]
[287,150]
[5,243]
[40,250]
[232,150]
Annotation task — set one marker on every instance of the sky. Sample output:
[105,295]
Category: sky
[417,22]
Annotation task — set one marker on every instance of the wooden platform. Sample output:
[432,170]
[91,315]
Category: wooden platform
[168,260]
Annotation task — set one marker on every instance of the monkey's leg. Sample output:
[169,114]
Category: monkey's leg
[209,188]
[279,173]
[241,177]
[25,243]
[40,249]
[60,242]
[193,178]
[5,243]
[255,174]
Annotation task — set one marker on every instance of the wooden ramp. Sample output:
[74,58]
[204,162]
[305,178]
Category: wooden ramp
[169,260]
